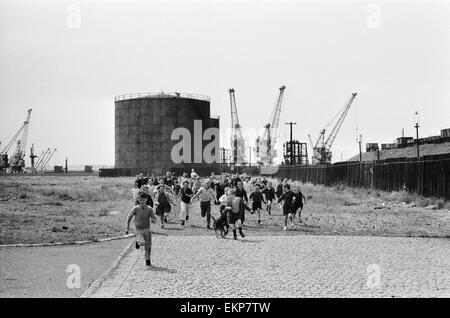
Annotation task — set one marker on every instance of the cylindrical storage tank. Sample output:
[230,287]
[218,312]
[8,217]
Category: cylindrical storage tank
[144,124]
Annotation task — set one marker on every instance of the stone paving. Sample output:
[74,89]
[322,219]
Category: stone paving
[284,266]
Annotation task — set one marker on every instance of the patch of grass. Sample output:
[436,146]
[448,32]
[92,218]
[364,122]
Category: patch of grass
[83,205]
[103,212]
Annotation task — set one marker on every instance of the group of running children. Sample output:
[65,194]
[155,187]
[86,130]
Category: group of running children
[230,192]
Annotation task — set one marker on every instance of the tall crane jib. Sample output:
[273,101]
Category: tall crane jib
[237,138]
[265,145]
[322,148]
[17,161]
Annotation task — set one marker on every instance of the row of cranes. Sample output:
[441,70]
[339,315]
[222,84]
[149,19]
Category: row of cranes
[16,162]
[266,144]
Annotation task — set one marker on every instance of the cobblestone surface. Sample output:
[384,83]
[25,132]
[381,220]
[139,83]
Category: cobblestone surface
[284,266]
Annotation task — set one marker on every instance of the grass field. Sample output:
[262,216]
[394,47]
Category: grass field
[37,209]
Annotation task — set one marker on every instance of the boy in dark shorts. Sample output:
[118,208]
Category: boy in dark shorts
[288,197]
[257,197]
[297,204]
[235,209]
[142,214]
[241,193]
[279,190]
[269,194]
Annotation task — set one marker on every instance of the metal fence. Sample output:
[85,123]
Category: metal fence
[429,176]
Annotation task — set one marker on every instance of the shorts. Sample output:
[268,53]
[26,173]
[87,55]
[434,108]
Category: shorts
[295,207]
[233,217]
[205,207]
[287,209]
[144,237]
[161,209]
[256,206]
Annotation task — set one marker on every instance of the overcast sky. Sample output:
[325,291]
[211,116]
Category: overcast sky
[395,55]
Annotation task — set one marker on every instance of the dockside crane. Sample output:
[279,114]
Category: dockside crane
[322,148]
[265,145]
[41,157]
[237,138]
[17,161]
[45,161]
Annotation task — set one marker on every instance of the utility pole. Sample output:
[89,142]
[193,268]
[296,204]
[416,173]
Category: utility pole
[67,171]
[290,143]
[416,116]
[250,157]
[360,151]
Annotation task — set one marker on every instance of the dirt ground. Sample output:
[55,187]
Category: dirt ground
[41,271]
[37,209]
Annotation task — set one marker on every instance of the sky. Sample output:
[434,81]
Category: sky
[68,60]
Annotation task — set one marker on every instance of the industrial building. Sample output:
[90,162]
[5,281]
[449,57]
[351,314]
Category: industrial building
[144,123]
[406,147]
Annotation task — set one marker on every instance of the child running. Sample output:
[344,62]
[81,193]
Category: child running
[142,214]
[186,195]
[146,188]
[162,203]
[298,204]
[279,190]
[257,197]
[287,197]
[269,193]
[223,200]
[235,209]
[206,194]
[241,193]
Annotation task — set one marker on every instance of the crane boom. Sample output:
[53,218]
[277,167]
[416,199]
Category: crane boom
[12,141]
[322,149]
[237,139]
[42,158]
[276,115]
[337,127]
[266,144]
[44,164]
[24,129]
[23,142]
